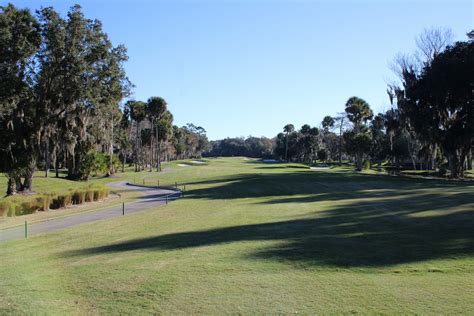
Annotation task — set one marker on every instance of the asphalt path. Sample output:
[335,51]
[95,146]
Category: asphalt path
[152,198]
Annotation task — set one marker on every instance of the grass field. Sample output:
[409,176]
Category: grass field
[251,237]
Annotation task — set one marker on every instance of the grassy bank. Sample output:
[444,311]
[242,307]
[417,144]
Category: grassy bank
[251,237]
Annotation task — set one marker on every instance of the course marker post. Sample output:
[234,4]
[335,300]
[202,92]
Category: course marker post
[143,181]
[26,229]
[123,209]
[176,185]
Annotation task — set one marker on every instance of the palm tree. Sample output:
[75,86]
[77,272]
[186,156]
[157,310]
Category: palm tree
[137,113]
[288,128]
[358,112]
[156,108]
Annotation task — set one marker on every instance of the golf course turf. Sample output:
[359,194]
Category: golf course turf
[254,237]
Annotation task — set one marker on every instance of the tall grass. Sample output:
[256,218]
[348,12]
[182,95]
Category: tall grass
[22,205]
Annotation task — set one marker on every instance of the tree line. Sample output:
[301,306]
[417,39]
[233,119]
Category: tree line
[430,125]
[257,147]
[62,83]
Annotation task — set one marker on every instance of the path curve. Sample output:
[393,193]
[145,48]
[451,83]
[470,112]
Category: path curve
[152,198]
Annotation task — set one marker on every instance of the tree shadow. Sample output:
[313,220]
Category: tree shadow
[376,222]
[283,167]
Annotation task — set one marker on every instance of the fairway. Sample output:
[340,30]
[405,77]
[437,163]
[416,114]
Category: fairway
[254,237]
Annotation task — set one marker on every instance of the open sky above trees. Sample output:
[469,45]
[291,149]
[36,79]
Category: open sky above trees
[219,64]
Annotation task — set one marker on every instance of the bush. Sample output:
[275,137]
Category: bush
[97,164]
[62,200]
[7,207]
[322,155]
[114,163]
[366,165]
[78,197]
[96,195]
[100,193]
[43,202]
[89,195]
[22,205]
[25,208]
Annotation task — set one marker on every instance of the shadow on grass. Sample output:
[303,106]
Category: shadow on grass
[283,167]
[378,221]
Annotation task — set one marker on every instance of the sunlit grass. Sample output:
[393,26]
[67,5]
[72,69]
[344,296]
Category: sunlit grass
[256,238]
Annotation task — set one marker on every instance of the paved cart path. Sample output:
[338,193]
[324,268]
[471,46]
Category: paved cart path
[152,198]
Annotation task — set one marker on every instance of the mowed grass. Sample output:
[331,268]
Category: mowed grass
[252,238]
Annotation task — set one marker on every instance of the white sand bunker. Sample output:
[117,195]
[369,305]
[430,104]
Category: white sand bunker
[183,165]
[319,168]
[270,160]
[198,162]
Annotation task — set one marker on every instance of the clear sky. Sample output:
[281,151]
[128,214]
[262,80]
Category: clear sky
[242,68]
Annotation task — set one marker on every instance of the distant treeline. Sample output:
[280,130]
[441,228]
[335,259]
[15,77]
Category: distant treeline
[257,147]
[430,125]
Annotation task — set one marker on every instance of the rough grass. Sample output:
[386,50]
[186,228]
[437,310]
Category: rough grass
[259,238]
[53,185]
[61,186]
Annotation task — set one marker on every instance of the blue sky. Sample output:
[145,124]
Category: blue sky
[242,68]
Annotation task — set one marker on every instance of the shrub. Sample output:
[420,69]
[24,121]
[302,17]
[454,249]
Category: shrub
[12,210]
[322,155]
[22,205]
[89,195]
[96,195]
[78,197]
[114,163]
[100,193]
[96,163]
[62,200]
[366,165]
[28,207]
[43,202]
[7,207]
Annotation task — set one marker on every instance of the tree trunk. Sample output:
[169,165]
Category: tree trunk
[159,156]
[136,149]
[433,157]
[111,150]
[456,164]
[359,160]
[157,150]
[340,142]
[54,158]
[18,184]
[11,187]
[47,159]
[410,152]
[123,162]
[28,183]
[469,159]
[29,171]
[56,166]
